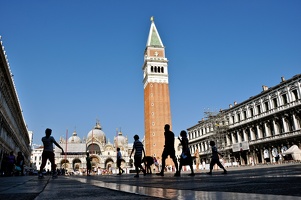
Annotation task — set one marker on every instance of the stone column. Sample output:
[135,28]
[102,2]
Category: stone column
[285,129]
[296,125]
[252,134]
[267,130]
[276,130]
[239,137]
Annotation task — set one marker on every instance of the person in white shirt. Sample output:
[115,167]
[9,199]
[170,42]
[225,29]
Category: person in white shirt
[48,153]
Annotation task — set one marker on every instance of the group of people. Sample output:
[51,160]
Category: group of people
[169,150]
[12,165]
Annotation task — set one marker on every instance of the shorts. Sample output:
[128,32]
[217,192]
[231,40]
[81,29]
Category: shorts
[170,152]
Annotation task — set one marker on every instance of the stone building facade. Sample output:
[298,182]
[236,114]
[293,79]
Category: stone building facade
[255,131]
[14,135]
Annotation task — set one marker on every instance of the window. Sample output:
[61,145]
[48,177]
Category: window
[284,99]
[238,117]
[275,104]
[266,106]
[233,119]
[251,112]
[245,114]
[295,95]
[258,109]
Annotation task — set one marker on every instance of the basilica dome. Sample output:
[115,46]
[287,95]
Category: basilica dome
[97,134]
[120,140]
[74,138]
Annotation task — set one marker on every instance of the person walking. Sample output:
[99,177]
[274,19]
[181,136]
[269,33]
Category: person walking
[169,149]
[119,157]
[185,158]
[48,153]
[138,148]
[88,163]
[20,163]
[215,158]
[11,163]
[197,159]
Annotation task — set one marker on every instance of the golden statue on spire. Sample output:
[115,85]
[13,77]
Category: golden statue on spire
[152,18]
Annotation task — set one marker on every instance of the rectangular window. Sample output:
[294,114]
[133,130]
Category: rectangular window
[295,95]
[238,117]
[266,106]
[258,110]
[275,104]
[284,99]
[233,119]
[245,114]
[251,112]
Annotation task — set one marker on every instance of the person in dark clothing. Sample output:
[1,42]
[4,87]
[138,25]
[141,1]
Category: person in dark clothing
[48,153]
[119,159]
[215,159]
[169,149]
[185,158]
[11,163]
[89,166]
[138,148]
[20,162]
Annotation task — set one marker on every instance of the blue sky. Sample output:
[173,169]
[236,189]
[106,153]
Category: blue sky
[78,61]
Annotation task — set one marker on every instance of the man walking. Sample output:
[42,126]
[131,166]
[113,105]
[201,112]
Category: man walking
[169,149]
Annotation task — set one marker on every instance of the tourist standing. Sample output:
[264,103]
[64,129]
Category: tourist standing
[197,159]
[48,153]
[119,157]
[89,165]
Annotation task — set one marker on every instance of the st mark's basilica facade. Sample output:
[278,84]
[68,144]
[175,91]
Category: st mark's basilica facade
[102,152]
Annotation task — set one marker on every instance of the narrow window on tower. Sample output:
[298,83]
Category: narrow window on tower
[153,134]
[152,69]
[162,69]
[153,113]
[152,104]
[153,123]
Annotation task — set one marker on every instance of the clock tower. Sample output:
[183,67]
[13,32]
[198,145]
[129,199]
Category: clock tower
[156,93]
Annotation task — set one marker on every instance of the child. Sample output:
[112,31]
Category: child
[119,157]
[89,166]
[215,159]
[48,142]
[138,147]
[186,158]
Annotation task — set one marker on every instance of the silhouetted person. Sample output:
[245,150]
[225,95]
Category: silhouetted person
[11,163]
[185,158]
[88,163]
[169,149]
[138,148]
[119,157]
[215,158]
[48,153]
[20,162]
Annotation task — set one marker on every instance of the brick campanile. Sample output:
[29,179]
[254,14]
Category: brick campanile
[156,93]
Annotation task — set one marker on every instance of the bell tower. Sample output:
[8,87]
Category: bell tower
[156,93]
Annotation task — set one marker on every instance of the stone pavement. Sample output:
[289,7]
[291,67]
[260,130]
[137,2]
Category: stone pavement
[260,182]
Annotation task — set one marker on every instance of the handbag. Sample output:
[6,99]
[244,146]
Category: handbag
[17,168]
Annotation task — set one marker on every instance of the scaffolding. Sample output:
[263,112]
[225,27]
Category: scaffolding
[218,126]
